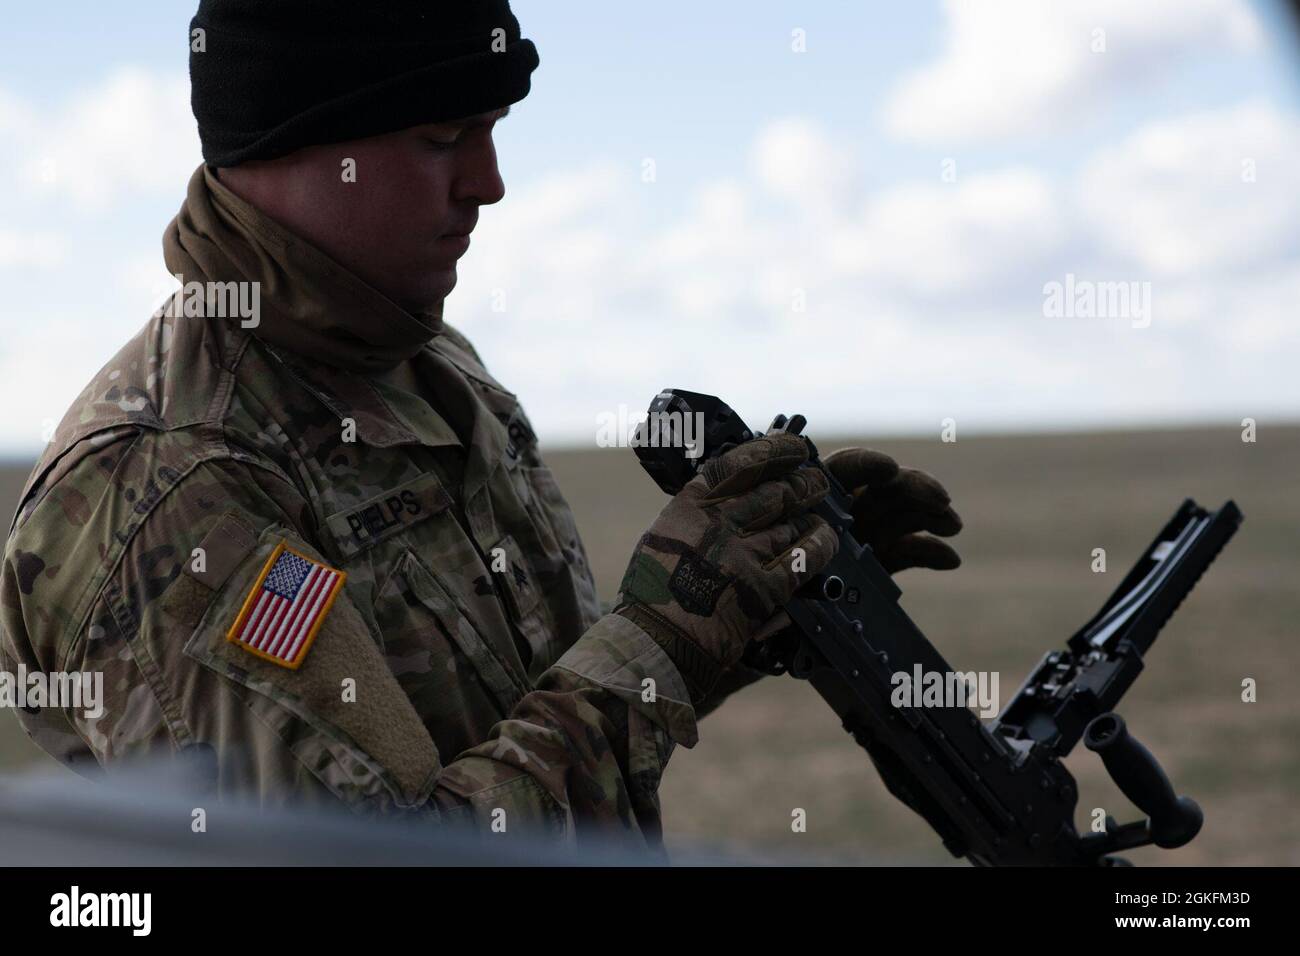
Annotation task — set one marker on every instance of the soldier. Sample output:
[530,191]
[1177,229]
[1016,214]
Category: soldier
[299,527]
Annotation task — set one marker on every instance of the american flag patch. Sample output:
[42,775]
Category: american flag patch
[286,607]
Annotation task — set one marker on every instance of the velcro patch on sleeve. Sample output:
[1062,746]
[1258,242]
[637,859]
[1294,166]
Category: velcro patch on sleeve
[221,551]
[286,606]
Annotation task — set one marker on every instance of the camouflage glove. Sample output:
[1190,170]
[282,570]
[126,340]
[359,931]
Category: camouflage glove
[717,563]
[891,505]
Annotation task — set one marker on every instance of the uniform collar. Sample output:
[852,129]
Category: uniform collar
[383,415]
[386,415]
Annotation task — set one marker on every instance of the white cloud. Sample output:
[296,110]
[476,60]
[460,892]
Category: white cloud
[787,286]
[133,134]
[33,250]
[17,118]
[933,239]
[1017,66]
[797,159]
[1210,190]
[923,300]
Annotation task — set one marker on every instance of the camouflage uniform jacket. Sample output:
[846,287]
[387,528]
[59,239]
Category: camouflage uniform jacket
[463,667]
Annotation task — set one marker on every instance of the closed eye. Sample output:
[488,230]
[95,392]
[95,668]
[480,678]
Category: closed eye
[484,122]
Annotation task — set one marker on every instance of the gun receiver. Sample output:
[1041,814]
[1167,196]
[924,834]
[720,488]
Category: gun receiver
[996,794]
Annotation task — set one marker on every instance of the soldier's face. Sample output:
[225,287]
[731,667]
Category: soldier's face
[396,210]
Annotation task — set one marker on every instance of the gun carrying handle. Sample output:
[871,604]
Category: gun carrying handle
[1174,819]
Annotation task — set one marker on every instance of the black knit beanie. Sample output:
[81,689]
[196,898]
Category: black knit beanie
[268,77]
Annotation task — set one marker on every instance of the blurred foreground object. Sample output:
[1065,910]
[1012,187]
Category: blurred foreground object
[146,817]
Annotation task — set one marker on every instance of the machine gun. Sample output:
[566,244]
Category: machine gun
[997,794]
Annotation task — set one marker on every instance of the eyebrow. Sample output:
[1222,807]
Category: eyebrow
[482,119]
[468,122]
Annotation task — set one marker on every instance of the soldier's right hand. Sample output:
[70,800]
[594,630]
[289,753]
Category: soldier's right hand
[720,560]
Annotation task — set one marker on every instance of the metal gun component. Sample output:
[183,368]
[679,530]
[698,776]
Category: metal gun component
[996,794]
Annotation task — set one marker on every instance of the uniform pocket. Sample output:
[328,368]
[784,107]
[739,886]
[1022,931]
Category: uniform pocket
[459,683]
[523,592]
[550,502]
[570,555]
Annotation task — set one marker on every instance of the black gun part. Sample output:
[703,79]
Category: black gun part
[998,793]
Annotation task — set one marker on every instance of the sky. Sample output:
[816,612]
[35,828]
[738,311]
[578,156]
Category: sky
[869,213]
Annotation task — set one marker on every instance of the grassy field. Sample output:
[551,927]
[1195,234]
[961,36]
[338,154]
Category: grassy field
[1034,508]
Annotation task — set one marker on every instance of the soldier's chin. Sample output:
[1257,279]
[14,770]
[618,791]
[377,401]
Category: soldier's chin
[434,286]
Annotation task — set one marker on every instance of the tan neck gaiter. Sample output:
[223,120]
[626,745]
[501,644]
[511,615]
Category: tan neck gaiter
[309,304]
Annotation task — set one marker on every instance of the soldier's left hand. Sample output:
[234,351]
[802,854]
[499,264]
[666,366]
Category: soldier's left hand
[897,511]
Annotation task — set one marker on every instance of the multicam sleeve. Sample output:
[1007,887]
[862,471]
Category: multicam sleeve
[95,585]
[591,742]
[585,750]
